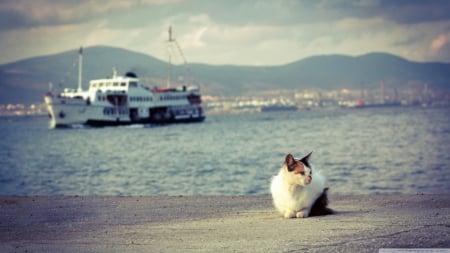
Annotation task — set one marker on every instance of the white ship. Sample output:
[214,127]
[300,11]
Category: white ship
[122,100]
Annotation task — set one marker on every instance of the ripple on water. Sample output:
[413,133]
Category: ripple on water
[397,150]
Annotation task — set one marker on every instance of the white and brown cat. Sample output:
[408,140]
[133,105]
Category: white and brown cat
[297,192]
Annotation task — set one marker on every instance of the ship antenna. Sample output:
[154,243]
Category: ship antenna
[80,69]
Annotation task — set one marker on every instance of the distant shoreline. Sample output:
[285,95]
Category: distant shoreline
[42,113]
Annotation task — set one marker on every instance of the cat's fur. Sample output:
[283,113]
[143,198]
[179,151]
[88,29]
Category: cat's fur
[297,192]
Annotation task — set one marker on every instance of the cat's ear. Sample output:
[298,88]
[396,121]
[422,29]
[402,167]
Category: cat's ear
[290,162]
[305,160]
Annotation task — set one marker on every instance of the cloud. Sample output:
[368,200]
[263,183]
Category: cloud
[415,11]
[195,39]
[15,14]
[253,32]
[438,43]
[22,14]
[440,47]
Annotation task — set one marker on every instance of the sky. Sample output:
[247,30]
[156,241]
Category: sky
[237,32]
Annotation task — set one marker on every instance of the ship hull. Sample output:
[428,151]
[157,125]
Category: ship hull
[68,112]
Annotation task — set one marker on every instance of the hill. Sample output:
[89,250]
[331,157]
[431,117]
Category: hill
[27,80]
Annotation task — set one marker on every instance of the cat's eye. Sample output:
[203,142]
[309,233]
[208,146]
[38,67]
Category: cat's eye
[302,173]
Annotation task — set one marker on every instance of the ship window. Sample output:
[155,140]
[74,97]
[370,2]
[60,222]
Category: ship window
[123,84]
[116,84]
[133,84]
[100,85]
[94,85]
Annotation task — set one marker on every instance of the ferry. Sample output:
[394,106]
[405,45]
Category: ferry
[122,100]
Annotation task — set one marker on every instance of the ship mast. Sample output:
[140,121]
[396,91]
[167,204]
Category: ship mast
[174,47]
[169,62]
[80,69]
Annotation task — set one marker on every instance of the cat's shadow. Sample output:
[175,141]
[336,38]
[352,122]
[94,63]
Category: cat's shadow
[336,213]
[321,216]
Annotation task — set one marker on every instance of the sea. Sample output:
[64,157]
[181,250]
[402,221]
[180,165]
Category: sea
[397,150]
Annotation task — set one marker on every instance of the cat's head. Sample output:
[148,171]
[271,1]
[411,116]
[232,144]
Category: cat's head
[299,171]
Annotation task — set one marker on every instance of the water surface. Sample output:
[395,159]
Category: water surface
[366,151]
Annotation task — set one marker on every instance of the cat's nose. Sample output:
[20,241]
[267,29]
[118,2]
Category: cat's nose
[310,177]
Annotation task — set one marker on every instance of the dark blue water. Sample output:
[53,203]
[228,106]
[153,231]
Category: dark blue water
[366,151]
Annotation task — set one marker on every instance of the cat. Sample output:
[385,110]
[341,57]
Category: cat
[297,192]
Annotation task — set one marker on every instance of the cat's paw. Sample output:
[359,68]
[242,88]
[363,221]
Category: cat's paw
[289,214]
[301,215]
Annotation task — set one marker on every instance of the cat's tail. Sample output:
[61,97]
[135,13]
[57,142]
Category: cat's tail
[320,207]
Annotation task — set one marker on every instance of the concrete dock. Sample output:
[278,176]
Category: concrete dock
[363,223]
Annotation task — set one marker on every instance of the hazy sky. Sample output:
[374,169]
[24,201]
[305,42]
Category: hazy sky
[239,32]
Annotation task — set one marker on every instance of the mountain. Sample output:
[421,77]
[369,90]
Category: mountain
[27,80]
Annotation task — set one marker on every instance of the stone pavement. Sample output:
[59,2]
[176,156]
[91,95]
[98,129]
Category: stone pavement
[362,223]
